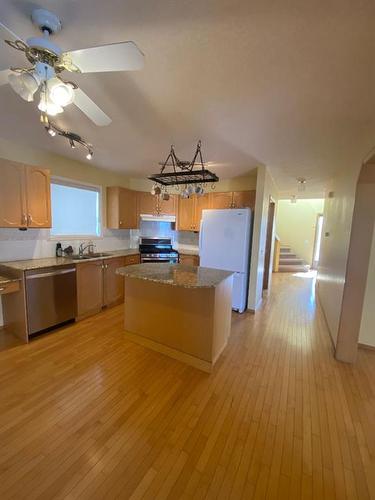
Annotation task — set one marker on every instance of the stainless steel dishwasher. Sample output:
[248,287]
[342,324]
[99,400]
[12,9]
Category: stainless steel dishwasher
[51,297]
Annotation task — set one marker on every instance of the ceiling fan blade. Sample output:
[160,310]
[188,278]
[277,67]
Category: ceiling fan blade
[7,34]
[4,76]
[123,56]
[90,109]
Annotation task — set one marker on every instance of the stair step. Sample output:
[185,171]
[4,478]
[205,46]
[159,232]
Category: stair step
[293,269]
[285,249]
[288,255]
[290,261]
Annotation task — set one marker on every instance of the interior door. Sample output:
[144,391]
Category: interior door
[113,283]
[38,197]
[185,214]
[12,195]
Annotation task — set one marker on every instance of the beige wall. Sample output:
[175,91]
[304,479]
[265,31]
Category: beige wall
[338,212]
[265,189]
[367,331]
[296,223]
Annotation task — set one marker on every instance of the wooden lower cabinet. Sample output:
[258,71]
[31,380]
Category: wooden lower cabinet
[89,288]
[99,286]
[113,284]
[189,260]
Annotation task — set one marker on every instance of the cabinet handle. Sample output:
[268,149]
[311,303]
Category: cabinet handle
[24,219]
[29,219]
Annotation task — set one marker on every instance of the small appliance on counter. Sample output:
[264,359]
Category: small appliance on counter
[157,250]
[224,243]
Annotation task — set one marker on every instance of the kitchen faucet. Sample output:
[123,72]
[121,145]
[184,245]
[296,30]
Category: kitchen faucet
[82,247]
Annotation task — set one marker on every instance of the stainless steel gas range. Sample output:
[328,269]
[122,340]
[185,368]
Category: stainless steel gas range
[157,250]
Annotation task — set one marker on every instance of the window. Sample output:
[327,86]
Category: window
[75,209]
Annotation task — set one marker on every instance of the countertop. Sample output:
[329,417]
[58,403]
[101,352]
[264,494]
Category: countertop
[26,265]
[188,250]
[176,274]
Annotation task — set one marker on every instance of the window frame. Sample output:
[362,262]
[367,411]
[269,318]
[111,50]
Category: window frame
[64,181]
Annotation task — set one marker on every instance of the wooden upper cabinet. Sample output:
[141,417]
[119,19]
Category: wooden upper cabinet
[201,203]
[121,208]
[128,209]
[168,207]
[146,203]
[244,199]
[186,211]
[221,200]
[12,196]
[38,196]
[25,197]
[113,285]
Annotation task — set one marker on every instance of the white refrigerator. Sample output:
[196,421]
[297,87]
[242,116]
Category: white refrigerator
[224,243]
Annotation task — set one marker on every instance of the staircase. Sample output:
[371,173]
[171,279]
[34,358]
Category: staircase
[289,262]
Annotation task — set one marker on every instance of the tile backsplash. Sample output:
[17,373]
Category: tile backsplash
[36,243]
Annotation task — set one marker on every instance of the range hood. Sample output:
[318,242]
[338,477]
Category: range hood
[158,218]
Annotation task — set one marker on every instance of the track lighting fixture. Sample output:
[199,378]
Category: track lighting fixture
[73,138]
[301,183]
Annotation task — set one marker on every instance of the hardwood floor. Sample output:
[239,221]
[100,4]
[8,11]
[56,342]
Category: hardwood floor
[87,414]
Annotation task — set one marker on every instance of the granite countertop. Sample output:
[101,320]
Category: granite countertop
[26,265]
[176,274]
[188,250]
[4,280]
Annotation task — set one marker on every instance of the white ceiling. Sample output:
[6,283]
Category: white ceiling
[289,84]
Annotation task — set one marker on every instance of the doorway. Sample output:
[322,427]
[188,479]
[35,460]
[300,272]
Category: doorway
[317,241]
[268,249]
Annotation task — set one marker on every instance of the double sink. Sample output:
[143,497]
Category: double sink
[88,256]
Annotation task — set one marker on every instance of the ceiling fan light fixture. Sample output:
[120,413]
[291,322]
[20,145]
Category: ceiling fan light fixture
[61,93]
[47,106]
[24,84]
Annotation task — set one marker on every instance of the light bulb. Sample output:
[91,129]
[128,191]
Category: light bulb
[60,93]
[51,132]
[89,155]
[72,145]
[47,106]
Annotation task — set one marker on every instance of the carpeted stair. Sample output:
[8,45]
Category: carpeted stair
[289,262]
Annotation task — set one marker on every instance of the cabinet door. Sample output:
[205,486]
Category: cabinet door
[89,288]
[128,209]
[168,207]
[244,199]
[113,287]
[38,197]
[12,196]
[221,200]
[185,220]
[146,203]
[189,260]
[201,203]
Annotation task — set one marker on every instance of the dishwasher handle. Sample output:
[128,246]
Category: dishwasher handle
[52,273]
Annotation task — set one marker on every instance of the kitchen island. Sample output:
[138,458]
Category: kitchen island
[181,311]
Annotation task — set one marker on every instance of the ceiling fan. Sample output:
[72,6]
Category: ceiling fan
[49,61]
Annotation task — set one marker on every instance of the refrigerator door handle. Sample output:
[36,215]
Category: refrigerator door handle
[200,236]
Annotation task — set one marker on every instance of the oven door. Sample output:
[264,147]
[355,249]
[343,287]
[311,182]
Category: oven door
[160,260]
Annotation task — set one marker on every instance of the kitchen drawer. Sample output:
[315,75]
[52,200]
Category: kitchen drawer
[132,259]
[10,287]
